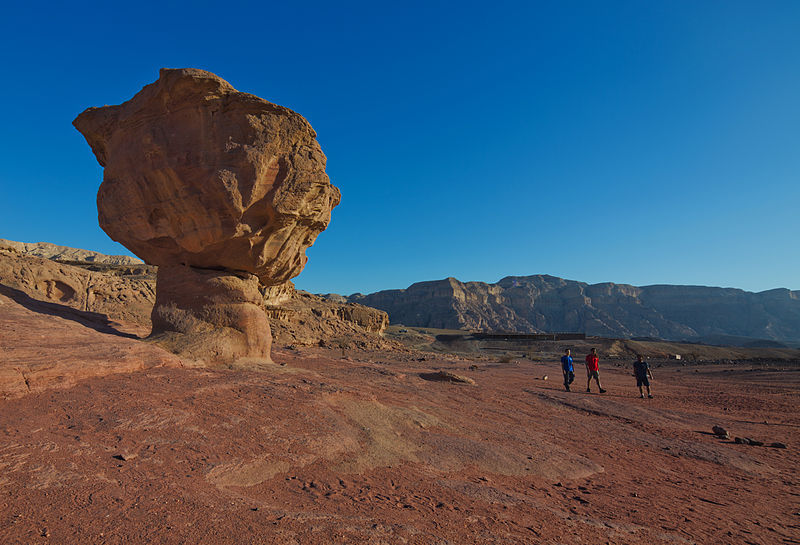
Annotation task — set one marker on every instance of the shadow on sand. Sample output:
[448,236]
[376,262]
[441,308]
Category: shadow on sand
[94,320]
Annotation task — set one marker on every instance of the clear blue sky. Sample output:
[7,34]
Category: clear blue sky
[634,142]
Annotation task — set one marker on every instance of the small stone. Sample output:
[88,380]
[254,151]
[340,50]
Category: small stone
[720,432]
[125,456]
[544,377]
[748,441]
[447,376]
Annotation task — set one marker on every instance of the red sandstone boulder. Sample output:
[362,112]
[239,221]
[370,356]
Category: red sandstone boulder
[200,177]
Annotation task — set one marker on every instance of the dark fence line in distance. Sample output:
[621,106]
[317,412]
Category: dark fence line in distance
[529,336]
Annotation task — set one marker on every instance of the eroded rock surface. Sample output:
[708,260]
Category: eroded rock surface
[301,318]
[121,293]
[55,252]
[209,314]
[44,346]
[200,175]
[127,294]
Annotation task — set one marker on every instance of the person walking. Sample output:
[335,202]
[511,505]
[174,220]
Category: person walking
[642,371]
[593,371]
[567,369]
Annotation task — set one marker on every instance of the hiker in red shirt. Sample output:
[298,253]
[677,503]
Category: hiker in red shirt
[593,370]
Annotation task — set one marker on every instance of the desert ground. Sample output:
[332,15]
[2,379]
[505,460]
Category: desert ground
[108,439]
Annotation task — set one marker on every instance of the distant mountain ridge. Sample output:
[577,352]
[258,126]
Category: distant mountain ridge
[55,252]
[543,303]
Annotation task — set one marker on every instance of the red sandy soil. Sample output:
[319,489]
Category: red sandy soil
[318,449]
[46,345]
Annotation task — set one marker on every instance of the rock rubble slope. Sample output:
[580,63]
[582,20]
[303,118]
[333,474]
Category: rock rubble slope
[220,189]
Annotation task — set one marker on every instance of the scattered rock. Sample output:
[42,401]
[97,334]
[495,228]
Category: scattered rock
[446,376]
[777,445]
[124,456]
[748,441]
[721,432]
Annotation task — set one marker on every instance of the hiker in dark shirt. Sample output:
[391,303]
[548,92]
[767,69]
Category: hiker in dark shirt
[642,371]
[567,369]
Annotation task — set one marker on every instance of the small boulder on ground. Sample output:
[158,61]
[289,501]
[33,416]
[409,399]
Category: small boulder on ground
[721,432]
[446,376]
[748,441]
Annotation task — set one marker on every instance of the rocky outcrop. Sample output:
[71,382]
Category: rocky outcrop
[64,253]
[121,293]
[544,303]
[300,318]
[126,295]
[212,315]
[200,177]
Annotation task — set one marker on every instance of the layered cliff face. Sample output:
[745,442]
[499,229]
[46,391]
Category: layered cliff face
[443,304]
[544,303]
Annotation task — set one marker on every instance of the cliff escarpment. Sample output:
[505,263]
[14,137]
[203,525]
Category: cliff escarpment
[543,303]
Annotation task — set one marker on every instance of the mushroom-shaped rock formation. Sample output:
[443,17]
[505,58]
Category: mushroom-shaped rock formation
[222,190]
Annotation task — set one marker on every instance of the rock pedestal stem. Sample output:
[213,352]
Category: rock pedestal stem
[209,315]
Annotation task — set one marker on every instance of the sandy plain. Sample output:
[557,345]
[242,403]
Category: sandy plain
[326,447]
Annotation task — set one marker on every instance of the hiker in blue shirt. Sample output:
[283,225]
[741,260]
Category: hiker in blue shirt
[566,367]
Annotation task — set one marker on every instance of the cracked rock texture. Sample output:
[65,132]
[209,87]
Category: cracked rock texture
[199,176]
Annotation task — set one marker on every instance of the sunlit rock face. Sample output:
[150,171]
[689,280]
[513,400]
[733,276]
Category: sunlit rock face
[201,176]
